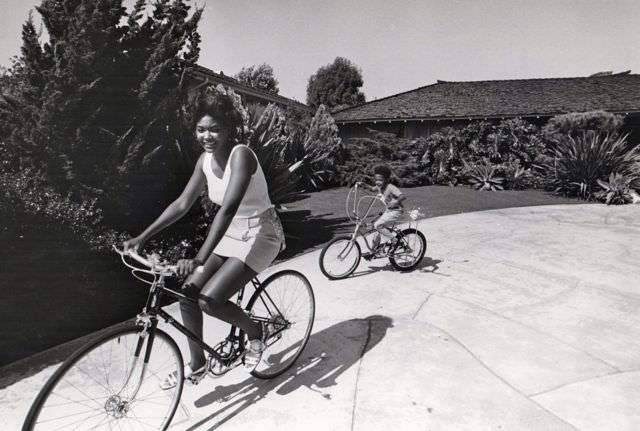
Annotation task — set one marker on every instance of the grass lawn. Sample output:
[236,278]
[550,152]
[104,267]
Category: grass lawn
[318,217]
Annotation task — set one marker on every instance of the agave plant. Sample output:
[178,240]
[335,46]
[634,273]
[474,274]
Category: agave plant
[482,176]
[576,163]
[617,191]
[267,139]
[322,148]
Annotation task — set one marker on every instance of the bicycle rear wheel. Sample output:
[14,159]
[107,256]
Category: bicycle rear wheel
[107,385]
[409,250]
[285,302]
[339,258]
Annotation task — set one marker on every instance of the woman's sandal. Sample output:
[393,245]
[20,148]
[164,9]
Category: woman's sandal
[194,377]
[253,349]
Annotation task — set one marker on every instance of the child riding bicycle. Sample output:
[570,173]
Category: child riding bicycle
[392,198]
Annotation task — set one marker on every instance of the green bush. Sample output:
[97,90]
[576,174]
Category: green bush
[26,200]
[574,124]
[482,176]
[402,155]
[513,147]
[617,191]
[576,164]
[517,177]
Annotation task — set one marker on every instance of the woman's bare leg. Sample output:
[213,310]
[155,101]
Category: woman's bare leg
[191,313]
[214,296]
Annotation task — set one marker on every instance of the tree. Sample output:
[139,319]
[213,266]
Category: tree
[336,85]
[97,109]
[260,77]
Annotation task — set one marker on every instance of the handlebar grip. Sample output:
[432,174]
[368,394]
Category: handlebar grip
[135,256]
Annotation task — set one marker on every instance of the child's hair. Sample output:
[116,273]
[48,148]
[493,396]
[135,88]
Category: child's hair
[382,170]
[219,106]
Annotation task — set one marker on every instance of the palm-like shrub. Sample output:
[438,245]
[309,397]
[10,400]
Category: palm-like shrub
[268,139]
[322,149]
[577,163]
[482,176]
[617,191]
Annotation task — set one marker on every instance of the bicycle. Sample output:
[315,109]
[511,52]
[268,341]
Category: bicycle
[114,381]
[341,256]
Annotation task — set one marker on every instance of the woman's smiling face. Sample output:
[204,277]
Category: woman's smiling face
[211,134]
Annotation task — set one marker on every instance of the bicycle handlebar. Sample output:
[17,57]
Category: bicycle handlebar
[158,268]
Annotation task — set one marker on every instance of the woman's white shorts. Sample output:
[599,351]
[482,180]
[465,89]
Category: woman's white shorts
[255,241]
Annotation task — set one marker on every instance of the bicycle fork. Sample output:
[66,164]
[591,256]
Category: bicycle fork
[149,325]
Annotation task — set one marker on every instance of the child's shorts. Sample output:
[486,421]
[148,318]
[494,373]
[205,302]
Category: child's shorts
[388,218]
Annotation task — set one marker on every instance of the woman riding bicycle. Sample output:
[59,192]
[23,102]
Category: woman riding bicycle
[245,235]
[392,198]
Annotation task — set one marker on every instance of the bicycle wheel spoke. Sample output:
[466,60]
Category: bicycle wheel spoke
[286,300]
[71,401]
[135,418]
[104,387]
[409,251]
[340,257]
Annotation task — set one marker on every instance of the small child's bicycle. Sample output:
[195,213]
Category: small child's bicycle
[114,382]
[341,256]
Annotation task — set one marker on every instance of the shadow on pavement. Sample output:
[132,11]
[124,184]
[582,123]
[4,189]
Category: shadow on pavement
[427,264]
[304,231]
[324,359]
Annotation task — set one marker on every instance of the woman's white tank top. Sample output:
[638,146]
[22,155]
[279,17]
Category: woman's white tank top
[256,198]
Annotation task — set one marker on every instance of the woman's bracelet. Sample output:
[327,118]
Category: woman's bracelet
[197,261]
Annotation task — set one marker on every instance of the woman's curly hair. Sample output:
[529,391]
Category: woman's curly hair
[218,104]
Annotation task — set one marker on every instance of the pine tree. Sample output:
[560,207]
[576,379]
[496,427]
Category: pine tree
[154,153]
[22,88]
[100,102]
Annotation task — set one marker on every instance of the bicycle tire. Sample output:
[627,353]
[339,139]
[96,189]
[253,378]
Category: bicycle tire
[70,378]
[325,255]
[269,302]
[402,241]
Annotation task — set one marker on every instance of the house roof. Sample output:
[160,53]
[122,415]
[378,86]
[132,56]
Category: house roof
[506,98]
[205,75]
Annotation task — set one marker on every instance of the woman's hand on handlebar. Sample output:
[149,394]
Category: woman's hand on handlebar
[134,244]
[187,266]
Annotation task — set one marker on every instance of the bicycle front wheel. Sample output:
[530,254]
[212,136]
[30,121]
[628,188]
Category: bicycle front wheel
[108,385]
[339,258]
[409,250]
[285,302]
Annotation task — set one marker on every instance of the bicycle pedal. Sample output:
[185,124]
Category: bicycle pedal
[194,381]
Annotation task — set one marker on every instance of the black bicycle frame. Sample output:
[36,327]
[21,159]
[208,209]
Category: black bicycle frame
[153,309]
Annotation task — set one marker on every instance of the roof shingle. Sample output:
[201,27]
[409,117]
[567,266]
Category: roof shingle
[518,97]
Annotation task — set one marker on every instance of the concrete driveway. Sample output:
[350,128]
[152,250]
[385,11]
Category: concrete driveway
[517,319]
